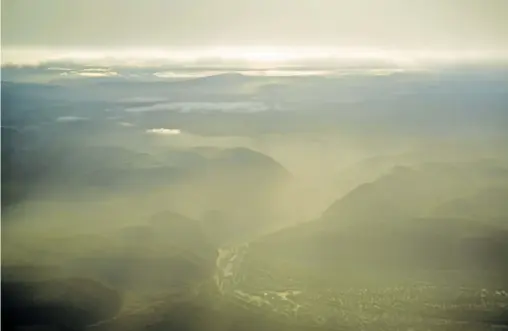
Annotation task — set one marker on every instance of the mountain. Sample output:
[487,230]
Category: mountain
[390,224]
[244,185]
[221,83]
[111,166]
[487,204]
[63,304]
[167,250]
[414,191]
[402,193]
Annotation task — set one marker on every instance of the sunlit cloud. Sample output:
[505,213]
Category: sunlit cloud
[65,119]
[88,72]
[58,69]
[286,73]
[142,99]
[185,107]
[97,74]
[376,72]
[97,70]
[165,132]
[126,124]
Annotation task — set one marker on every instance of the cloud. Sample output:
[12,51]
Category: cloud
[188,74]
[65,119]
[97,69]
[97,74]
[142,99]
[286,73]
[87,72]
[185,107]
[163,131]
[248,57]
[126,124]
[58,69]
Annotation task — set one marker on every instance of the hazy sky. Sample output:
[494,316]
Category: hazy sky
[41,30]
[441,24]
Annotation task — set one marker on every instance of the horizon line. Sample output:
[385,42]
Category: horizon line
[244,54]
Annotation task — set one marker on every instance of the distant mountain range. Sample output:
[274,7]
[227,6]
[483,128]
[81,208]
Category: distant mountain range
[362,103]
[239,182]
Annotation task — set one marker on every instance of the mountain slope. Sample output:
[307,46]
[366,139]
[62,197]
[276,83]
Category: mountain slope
[389,224]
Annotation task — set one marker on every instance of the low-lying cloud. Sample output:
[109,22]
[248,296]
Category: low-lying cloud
[286,73]
[163,131]
[90,72]
[65,119]
[143,99]
[185,107]
[98,74]
[126,124]
[59,69]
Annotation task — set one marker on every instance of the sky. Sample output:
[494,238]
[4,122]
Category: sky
[431,25]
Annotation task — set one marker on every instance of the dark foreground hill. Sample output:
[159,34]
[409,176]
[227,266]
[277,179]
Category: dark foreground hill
[64,304]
